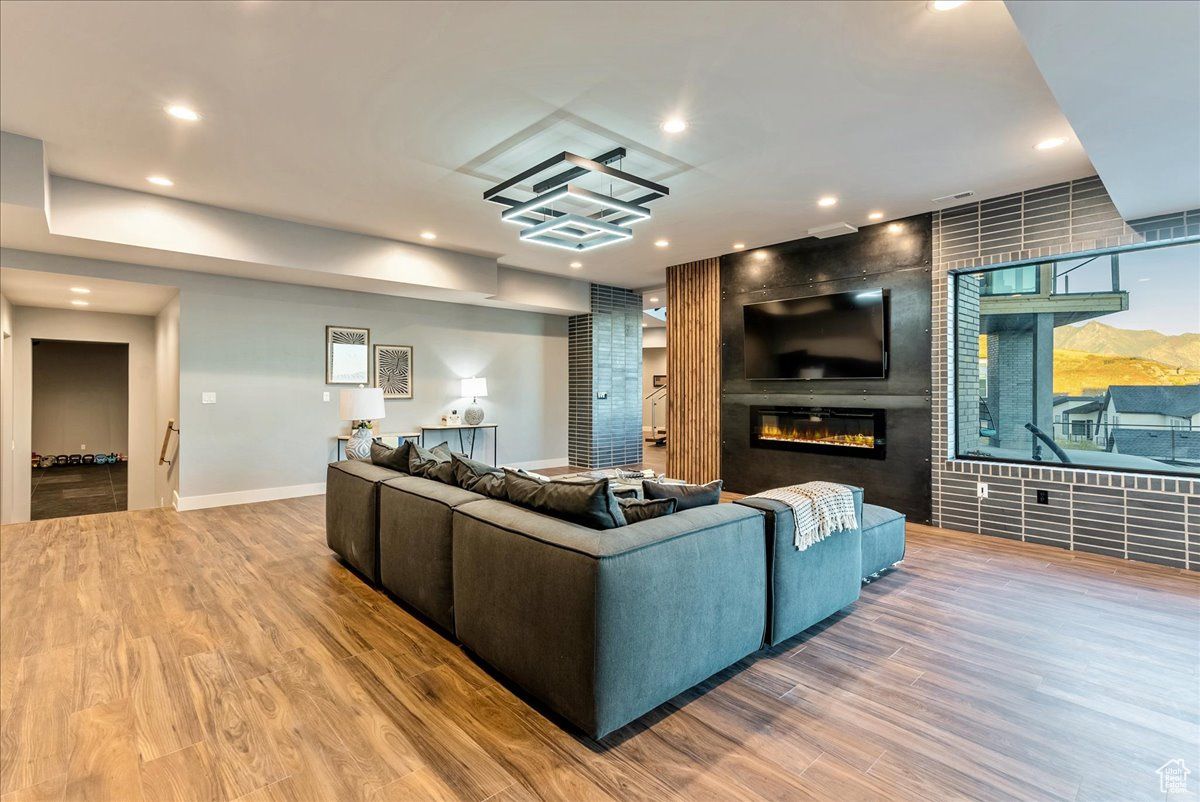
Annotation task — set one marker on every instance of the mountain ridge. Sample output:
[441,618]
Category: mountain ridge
[1176,350]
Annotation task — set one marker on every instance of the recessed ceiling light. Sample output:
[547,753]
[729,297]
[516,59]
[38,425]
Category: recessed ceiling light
[828,200]
[662,243]
[80,290]
[674,125]
[737,246]
[643,325]
[945,5]
[653,300]
[79,302]
[895,228]
[576,265]
[160,181]
[1051,143]
[875,216]
[428,235]
[183,113]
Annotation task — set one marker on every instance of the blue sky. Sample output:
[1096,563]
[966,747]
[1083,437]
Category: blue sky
[1163,286]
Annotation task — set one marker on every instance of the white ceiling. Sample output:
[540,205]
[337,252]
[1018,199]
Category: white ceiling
[391,119]
[53,290]
[1128,76]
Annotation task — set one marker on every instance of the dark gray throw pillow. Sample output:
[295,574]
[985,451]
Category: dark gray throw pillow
[590,504]
[478,477]
[689,496]
[432,463]
[394,458]
[637,509]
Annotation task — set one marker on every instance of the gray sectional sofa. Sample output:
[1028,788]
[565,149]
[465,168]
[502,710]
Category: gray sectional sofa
[600,625]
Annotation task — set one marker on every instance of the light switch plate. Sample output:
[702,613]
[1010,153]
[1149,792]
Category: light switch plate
[208,398]
[324,396]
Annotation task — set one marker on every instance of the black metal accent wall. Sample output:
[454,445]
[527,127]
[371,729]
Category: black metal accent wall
[894,256]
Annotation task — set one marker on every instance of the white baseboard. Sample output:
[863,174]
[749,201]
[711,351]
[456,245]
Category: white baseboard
[183,503]
[535,465]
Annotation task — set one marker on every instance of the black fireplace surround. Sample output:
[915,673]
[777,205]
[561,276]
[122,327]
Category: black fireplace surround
[822,430]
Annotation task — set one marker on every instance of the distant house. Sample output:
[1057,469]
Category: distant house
[1075,416]
[1161,423]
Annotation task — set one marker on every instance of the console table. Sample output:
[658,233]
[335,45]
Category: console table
[461,443]
[386,436]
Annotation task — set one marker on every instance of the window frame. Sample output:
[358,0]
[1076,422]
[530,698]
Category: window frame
[951,409]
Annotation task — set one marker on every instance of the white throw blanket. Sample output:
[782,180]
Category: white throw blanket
[819,509]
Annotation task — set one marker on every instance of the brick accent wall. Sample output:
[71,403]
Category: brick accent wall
[1136,517]
[605,358]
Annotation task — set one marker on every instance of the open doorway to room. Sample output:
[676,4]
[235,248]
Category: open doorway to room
[654,379]
[80,428]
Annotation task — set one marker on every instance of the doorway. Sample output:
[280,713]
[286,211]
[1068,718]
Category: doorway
[80,428]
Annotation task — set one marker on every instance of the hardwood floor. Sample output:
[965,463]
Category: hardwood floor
[66,490]
[225,654]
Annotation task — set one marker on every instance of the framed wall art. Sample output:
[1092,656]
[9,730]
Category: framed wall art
[394,370]
[347,356]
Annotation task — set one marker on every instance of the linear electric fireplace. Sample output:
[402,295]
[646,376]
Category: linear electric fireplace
[824,430]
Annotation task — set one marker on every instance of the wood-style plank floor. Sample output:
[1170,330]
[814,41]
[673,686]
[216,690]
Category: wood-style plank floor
[226,655]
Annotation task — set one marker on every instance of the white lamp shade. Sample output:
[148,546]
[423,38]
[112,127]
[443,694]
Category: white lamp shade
[362,403]
[474,388]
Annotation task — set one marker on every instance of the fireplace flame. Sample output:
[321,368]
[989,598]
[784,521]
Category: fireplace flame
[819,436]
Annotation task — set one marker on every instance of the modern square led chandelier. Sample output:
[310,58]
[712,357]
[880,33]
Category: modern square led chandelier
[566,215]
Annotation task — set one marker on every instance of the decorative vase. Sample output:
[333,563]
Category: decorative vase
[359,445]
[473,415]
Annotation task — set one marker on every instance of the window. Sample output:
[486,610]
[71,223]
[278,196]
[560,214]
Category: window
[1091,360]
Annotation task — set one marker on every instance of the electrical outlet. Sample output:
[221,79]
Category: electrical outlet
[1043,497]
[324,396]
[83,446]
[208,398]
[982,489]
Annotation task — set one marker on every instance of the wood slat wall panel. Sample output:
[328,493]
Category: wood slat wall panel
[694,371]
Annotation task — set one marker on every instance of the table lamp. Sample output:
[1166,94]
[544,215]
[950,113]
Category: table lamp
[475,389]
[360,406]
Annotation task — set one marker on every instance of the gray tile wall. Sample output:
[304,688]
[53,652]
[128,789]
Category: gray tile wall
[1136,517]
[605,358]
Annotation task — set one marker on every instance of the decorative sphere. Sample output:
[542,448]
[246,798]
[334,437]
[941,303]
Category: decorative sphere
[473,416]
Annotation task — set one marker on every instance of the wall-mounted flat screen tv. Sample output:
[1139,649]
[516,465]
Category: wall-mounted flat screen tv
[839,336]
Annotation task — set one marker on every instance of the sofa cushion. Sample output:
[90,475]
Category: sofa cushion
[689,496]
[882,538]
[478,477]
[394,458]
[590,504]
[637,509]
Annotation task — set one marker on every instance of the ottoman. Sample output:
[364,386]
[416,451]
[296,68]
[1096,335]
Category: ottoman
[882,539]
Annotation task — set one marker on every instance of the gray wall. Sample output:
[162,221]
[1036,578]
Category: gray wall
[1154,519]
[606,360]
[80,397]
[261,348]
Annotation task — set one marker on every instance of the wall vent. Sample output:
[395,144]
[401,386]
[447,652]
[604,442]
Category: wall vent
[831,230]
[957,196]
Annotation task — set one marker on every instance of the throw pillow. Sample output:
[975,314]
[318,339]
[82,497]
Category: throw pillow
[590,504]
[637,509]
[478,477]
[394,458]
[689,496]
[432,463]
